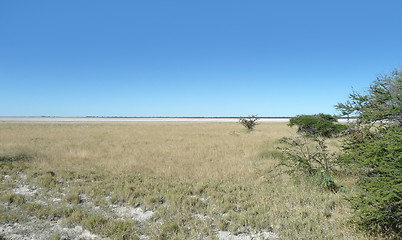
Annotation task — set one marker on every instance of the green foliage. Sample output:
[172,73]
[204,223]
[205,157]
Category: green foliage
[249,122]
[382,102]
[327,182]
[379,164]
[319,125]
[373,150]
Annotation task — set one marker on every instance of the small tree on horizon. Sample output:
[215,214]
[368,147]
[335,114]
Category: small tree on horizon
[249,122]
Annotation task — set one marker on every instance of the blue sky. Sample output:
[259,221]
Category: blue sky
[192,58]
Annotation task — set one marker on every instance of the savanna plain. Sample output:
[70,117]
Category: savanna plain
[160,181]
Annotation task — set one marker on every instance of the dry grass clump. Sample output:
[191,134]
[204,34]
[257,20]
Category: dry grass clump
[196,178]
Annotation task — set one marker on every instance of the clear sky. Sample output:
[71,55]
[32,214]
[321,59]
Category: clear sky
[192,58]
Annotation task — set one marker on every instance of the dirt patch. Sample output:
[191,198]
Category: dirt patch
[43,229]
[24,190]
[266,235]
[134,213]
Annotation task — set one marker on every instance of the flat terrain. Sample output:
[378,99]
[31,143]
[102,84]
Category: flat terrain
[159,180]
[120,119]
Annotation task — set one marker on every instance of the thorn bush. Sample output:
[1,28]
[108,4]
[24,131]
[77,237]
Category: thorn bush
[308,154]
[249,122]
[372,150]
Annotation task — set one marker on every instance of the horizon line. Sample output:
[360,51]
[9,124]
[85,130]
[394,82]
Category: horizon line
[89,116]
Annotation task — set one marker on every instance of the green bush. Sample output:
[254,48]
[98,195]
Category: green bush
[379,163]
[372,150]
[319,125]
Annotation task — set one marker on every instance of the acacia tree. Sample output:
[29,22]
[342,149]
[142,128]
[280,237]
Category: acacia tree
[249,122]
[372,149]
[382,102]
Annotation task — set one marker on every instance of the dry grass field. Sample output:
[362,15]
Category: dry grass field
[159,181]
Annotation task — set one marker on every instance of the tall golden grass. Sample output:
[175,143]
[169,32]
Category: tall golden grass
[184,150]
[235,167]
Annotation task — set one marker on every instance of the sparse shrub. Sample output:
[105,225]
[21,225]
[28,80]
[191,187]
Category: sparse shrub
[249,122]
[307,154]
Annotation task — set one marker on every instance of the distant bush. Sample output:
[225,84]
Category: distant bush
[319,125]
[249,122]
